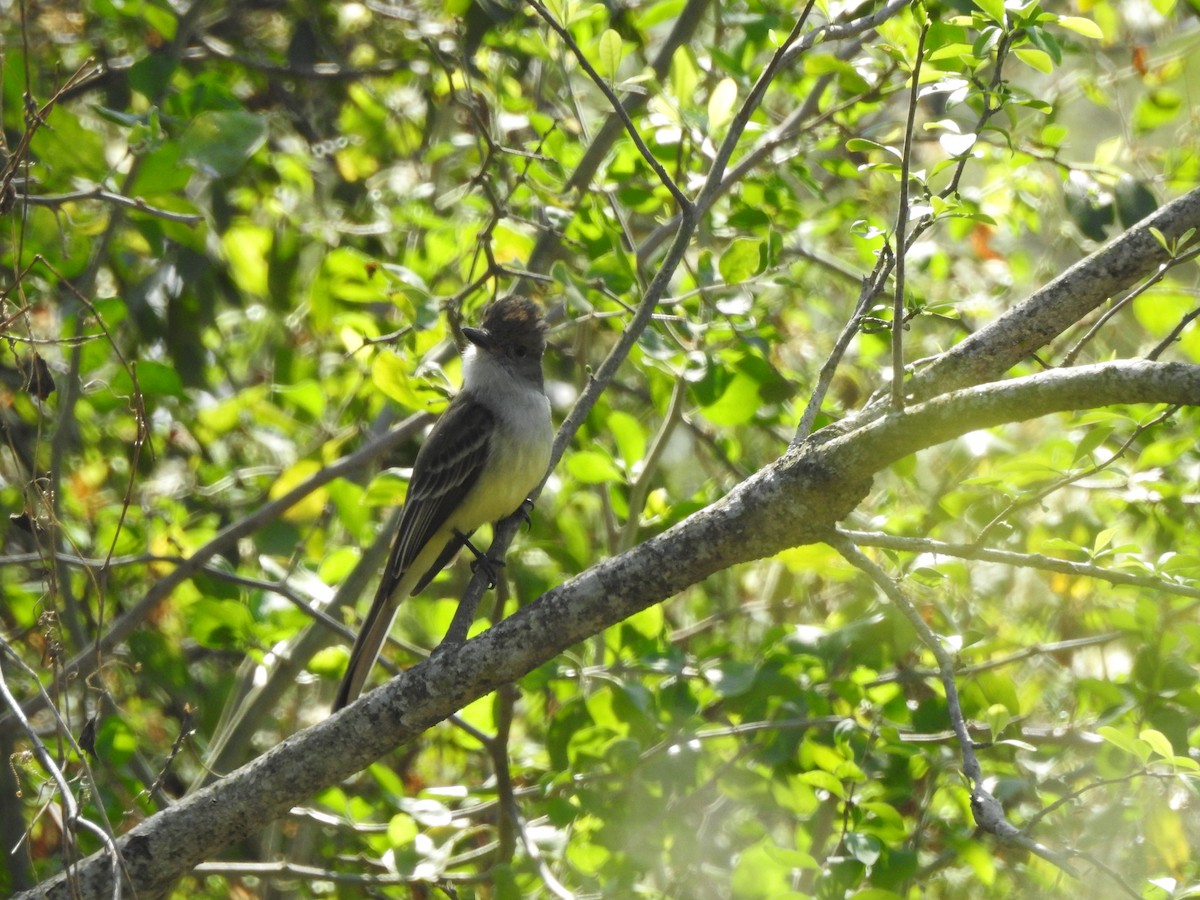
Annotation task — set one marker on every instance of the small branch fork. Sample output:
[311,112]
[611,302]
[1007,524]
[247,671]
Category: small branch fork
[618,108]
[889,260]
[686,223]
[988,813]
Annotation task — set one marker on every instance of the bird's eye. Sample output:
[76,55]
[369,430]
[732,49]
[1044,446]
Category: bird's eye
[520,351]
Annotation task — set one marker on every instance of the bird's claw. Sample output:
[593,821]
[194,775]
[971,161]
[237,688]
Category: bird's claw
[490,568]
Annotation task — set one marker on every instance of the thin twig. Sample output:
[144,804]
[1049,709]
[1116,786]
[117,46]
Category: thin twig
[1033,499]
[116,199]
[874,283]
[988,812]
[898,305]
[737,125]
[640,487]
[669,183]
[1159,274]
[1032,651]
[1022,560]
[73,819]
[871,286]
[888,586]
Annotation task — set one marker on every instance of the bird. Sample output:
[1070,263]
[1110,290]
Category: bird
[483,457]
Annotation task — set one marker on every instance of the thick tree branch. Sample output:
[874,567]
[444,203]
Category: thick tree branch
[1030,325]
[1037,561]
[795,500]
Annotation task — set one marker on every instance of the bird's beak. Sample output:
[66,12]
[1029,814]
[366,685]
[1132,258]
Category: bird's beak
[479,337]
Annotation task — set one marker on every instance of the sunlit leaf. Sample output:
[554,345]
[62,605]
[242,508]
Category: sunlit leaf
[1085,27]
[593,467]
[721,104]
[610,50]
[993,8]
[741,261]
[1037,59]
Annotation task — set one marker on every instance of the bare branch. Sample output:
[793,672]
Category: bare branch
[989,814]
[584,63]
[1021,560]
[1028,326]
[116,199]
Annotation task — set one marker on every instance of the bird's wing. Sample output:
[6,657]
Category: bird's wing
[446,469]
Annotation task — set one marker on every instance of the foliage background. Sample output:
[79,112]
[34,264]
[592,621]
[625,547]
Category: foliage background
[230,232]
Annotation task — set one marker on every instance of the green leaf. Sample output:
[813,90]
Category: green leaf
[219,623]
[1121,740]
[310,506]
[721,104]
[864,847]
[391,375]
[927,576]
[1103,539]
[246,246]
[993,8]
[986,42]
[766,871]
[742,260]
[609,53]
[1046,42]
[563,11]
[862,145]
[1091,439]
[648,623]
[629,436]
[684,75]
[731,678]
[354,277]
[1037,59]
[593,467]
[150,73]
[1085,27]
[998,719]
[339,564]
[737,404]
[825,781]
[116,742]
[155,379]
[1158,742]
[401,830]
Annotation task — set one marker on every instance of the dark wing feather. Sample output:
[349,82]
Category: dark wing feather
[448,553]
[447,467]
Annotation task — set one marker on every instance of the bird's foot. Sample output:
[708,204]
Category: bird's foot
[526,511]
[491,567]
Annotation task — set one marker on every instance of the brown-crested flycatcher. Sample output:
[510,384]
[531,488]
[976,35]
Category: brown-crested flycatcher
[486,453]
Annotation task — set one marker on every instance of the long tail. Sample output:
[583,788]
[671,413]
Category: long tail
[370,640]
[395,585]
